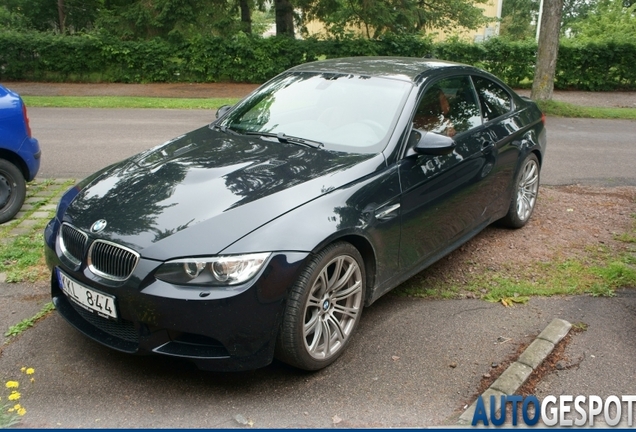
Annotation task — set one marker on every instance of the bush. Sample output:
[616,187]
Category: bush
[242,58]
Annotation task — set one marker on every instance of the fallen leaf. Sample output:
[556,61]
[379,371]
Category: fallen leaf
[240,418]
[509,301]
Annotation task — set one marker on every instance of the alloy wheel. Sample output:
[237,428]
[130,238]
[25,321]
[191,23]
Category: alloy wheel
[527,189]
[332,307]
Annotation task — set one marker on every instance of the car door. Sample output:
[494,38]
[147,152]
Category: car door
[502,129]
[443,198]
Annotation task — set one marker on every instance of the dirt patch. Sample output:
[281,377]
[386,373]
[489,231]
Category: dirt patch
[555,361]
[568,222]
[178,90]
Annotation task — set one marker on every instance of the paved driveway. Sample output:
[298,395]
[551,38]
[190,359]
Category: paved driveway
[396,373]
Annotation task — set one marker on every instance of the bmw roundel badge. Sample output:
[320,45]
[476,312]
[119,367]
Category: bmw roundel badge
[99,226]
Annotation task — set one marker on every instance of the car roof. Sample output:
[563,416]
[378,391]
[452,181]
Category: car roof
[404,68]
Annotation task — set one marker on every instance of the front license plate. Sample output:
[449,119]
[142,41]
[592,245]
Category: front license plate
[88,298]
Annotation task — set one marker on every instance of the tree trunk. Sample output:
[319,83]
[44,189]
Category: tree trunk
[543,83]
[62,17]
[284,18]
[246,16]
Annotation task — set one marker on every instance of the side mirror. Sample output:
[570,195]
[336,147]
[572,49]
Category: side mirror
[221,111]
[429,143]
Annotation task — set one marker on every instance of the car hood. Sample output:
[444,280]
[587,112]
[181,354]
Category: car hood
[200,192]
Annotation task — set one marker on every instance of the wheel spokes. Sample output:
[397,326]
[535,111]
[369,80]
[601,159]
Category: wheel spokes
[332,307]
[342,281]
[344,310]
[527,190]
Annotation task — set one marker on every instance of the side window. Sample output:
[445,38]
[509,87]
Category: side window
[495,101]
[448,107]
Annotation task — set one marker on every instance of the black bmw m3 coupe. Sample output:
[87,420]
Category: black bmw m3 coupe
[265,233]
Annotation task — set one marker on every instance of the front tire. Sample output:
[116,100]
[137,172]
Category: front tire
[323,308]
[12,190]
[526,189]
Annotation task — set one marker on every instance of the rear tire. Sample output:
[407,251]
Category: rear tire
[526,189]
[12,190]
[323,308]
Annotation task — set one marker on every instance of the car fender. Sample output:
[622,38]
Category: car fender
[349,213]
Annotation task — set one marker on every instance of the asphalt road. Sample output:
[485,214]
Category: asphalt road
[78,142]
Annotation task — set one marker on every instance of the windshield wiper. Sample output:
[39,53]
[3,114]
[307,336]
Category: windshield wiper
[224,129]
[289,139]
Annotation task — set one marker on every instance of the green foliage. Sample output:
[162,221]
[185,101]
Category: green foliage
[596,65]
[518,19]
[172,19]
[379,17]
[244,58]
[611,21]
[43,15]
[512,61]
[576,11]
[12,20]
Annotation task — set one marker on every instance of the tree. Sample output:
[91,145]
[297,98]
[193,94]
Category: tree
[284,12]
[60,15]
[146,19]
[610,20]
[377,17]
[517,17]
[576,10]
[246,16]
[547,53]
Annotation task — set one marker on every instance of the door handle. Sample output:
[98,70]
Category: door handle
[487,146]
[386,213]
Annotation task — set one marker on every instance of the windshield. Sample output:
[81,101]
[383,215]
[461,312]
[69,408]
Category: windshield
[344,112]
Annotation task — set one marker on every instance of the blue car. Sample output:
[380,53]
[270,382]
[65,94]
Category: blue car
[19,154]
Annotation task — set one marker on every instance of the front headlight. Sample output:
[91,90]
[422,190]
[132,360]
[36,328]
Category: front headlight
[216,271]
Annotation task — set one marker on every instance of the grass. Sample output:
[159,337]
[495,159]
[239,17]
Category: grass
[126,102]
[21,257]
[564,109]
[550,108]
[26,323]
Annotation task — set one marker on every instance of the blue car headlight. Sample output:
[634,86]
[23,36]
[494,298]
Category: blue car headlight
[215,271]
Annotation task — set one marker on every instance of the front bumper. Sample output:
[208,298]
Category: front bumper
[217,328]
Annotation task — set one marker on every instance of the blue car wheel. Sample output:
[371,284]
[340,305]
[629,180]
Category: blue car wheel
[12,190]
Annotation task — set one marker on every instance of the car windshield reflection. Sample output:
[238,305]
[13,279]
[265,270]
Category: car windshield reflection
[345,112]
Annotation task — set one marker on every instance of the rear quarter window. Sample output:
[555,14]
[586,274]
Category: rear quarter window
[495,101]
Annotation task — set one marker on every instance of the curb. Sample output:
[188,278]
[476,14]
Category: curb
[518,372]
